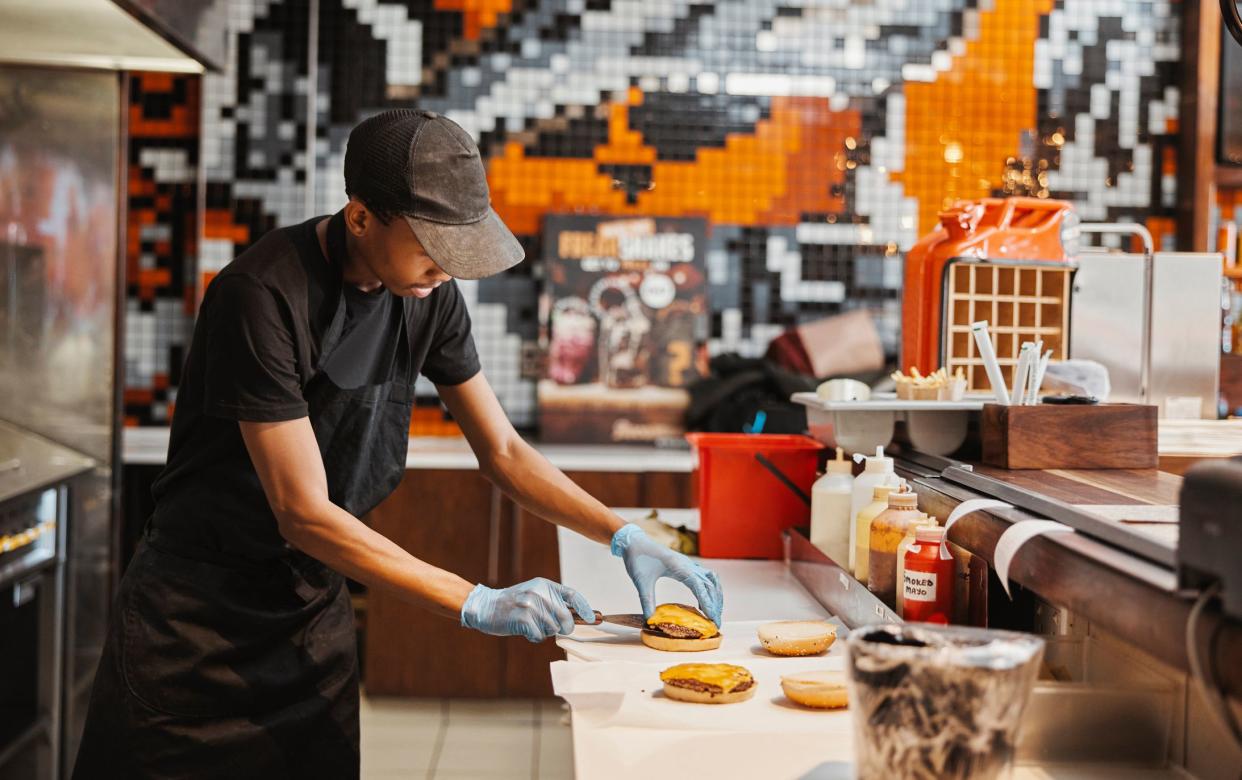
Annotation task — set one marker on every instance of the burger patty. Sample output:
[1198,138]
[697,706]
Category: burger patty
[676,631]
[702,687]
[696,685]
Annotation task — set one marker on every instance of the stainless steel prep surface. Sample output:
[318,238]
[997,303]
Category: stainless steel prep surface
[29,462]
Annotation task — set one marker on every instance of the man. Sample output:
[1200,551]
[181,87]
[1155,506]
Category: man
[231,650]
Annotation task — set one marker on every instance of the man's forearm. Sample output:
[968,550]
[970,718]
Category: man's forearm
[539,487]
[331,535]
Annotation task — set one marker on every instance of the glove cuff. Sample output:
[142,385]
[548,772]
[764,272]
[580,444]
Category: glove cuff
[621,539]
[469,608]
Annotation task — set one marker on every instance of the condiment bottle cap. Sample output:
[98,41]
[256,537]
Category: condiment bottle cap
[929,533]
[905,498]
[840,464]
[877,462]
[881,492]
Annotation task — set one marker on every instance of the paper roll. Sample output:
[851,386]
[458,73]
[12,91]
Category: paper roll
[973,505]
[1012,540]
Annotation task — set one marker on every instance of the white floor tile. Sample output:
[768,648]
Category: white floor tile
[554,711]
[476,774]
[494,710]
[401,710]
[409,755]
[556,753]
[471,746]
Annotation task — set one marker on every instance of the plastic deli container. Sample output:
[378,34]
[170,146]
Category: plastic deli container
[938,702]
[748,486]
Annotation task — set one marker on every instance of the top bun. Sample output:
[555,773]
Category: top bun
[797,637]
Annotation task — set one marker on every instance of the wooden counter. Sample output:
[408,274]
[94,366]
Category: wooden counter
[1134,598]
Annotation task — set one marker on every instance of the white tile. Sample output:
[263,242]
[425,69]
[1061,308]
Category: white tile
[554,712]
[556,753]
[402,708]
[411,754]
[472,746]
[522,711]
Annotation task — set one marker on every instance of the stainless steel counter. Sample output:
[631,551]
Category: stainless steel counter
[29,462]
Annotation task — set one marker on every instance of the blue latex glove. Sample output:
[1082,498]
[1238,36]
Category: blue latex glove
[535,609]
[646,561]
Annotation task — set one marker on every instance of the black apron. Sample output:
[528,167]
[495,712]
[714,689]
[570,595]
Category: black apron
[217,666]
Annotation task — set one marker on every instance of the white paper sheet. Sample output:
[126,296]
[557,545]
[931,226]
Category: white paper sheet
[630,695]
[617,643]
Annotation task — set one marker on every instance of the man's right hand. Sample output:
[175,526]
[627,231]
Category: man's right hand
[536,609]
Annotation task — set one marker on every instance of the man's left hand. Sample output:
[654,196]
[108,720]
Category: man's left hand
[647,561]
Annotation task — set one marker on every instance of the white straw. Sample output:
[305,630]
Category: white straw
[1037,381]
[983,340]
[1020,373]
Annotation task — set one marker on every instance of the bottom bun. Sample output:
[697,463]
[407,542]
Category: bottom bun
[821,690]
[674,645]
[703,697]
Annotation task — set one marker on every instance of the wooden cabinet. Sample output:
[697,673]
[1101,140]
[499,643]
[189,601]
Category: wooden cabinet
[446,519]
[458,521]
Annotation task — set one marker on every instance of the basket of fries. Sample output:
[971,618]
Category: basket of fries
[937,386]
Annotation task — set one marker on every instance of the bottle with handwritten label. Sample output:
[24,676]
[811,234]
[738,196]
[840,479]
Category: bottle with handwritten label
[929,578]
[906,542]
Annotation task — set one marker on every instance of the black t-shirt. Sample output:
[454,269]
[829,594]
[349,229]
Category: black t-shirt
[255,347]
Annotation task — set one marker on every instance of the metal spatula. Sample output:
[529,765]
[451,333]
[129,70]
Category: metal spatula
[629,621]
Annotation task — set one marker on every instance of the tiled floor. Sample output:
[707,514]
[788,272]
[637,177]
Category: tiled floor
[456,738]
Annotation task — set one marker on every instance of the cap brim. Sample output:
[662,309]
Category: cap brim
[473,251]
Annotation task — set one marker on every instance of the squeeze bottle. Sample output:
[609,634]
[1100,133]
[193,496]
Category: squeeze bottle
[860,553]
[831,496]
[887,530]
[876,471]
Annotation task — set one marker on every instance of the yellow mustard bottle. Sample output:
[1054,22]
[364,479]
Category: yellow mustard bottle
[887,530]
[862,526]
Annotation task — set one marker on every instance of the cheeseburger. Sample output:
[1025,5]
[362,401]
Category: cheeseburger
[708,683]
[678,628]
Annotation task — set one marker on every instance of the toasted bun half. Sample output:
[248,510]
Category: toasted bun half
[671,644]
[702,697]
[820,690]
[797,637]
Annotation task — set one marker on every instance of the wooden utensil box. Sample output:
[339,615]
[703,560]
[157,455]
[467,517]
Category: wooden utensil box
[1050,436]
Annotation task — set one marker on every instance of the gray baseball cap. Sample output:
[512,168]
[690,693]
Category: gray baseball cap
[427,169]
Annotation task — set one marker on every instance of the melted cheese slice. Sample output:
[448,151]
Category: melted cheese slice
[681,616]
[727,676]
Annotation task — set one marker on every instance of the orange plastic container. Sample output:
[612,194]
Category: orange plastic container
[1001,229]
[743,506]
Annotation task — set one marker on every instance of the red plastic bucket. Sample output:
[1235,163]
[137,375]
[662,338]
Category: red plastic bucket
[743,505]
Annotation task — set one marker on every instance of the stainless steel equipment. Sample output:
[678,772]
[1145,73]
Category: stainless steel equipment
[1165,352]
[36,479]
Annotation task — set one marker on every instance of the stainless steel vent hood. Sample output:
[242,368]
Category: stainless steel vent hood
[92,34]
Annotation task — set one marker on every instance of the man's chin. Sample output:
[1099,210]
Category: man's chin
[417,292]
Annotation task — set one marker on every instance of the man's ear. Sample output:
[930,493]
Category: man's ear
[358,219]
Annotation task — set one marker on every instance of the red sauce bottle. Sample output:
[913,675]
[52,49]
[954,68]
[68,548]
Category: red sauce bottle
[927,585]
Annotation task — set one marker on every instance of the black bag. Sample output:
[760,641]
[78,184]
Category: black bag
[740,389]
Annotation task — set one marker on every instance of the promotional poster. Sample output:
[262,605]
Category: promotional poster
[624,321]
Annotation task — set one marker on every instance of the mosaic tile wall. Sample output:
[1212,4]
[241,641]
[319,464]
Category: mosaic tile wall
[819,138]
[162,239]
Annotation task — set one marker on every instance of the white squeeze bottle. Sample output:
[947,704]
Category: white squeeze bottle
[877,470]
[831,497]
